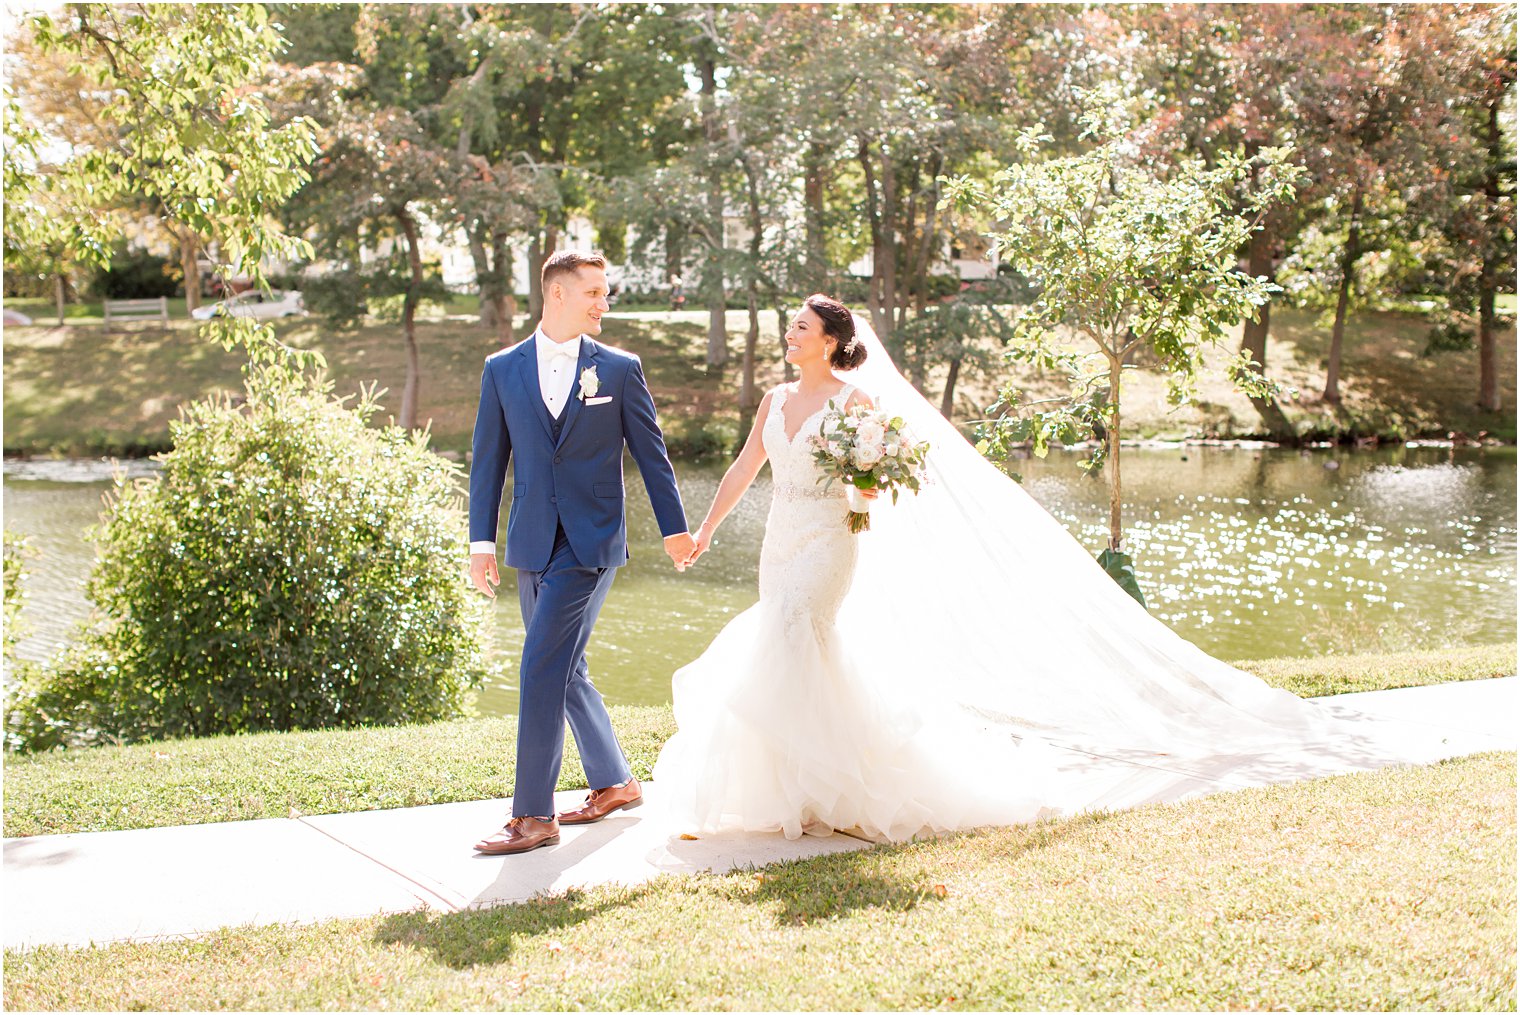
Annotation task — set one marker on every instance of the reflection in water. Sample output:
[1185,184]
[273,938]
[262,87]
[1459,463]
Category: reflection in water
[1247,553]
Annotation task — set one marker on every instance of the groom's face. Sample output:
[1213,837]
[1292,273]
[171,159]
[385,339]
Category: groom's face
[582,299]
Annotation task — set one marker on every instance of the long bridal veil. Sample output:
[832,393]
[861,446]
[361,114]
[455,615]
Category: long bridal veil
[970,593]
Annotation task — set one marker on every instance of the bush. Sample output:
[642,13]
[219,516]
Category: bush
[345,296]
[136,275]
[290,568]
[16,551]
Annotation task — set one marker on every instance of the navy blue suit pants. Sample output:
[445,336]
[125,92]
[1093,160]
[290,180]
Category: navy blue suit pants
[560,605]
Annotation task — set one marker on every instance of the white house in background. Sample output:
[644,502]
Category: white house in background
[972,259]
[451,252]
[969,261]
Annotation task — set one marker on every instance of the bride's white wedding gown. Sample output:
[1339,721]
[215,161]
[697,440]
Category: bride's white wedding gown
[782,729]
[964,663]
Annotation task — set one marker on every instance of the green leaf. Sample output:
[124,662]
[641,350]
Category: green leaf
[1121,568]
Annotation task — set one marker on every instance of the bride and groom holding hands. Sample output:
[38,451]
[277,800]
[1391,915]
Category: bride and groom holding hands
[561,407]
[941,671]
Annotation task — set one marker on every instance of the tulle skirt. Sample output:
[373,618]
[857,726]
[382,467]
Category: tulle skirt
[781,730]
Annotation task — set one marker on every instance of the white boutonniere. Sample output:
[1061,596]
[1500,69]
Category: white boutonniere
[589,383]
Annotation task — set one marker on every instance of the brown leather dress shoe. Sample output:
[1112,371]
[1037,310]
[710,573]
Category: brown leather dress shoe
[521,835]
[603,802]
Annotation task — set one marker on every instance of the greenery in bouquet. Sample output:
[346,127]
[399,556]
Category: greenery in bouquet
[867,449]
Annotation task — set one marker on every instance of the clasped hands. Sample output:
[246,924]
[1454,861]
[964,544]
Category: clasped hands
[683,550]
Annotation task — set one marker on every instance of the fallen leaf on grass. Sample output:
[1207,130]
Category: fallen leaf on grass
[940,891]
[688,837]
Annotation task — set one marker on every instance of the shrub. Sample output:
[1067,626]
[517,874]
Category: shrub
[290,568]
[16,551]
[345,296]
[136,274]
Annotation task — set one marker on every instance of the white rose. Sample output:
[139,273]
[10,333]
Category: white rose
[892,449]
[870,432]
[867,455]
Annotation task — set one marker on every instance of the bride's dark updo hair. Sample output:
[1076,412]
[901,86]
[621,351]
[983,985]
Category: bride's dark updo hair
[837,321]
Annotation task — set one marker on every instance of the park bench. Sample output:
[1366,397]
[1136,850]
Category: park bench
[136,310]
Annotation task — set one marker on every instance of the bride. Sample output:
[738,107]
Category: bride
[964,662]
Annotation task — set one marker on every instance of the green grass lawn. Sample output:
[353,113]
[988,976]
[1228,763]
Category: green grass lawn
[1392,889]
[77,390]
[328,771]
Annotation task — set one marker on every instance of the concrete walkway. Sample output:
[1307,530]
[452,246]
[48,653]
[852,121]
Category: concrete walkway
[153,883]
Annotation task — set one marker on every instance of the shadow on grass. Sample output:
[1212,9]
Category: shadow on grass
[484,937]
[820,889]
[1390,382]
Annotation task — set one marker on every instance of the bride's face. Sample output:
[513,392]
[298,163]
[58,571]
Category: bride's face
[806,340]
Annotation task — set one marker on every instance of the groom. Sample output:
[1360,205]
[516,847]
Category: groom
[562,407]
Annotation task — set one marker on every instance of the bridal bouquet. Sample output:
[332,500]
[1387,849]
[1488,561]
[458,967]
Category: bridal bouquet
[866,448]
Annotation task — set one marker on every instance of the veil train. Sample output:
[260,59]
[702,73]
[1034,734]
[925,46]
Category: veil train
[971,594]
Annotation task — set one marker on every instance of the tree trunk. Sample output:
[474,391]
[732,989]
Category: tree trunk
[1115,489]
[788,372]
[908,279]
[409,390]
[493,281]
[947,401]
[1488,279]
[482,264]
[886,264]
[1488,347]
[927,244]
[712,271]
[748,399]
[506,302]
[815,259]
[536,259]
[58,293]
[1253,338]
[188,251]
[876,302]
[1352,251]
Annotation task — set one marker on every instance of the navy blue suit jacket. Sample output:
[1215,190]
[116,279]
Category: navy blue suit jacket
[576,479]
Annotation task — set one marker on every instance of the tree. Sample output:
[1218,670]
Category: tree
[1474,49]
[376,178]
[1221,74]
[196,138]
[262,582]
[1381,113]
[1124,258]
[38,243]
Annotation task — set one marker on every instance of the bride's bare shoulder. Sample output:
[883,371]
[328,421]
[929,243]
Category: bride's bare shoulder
[860,397]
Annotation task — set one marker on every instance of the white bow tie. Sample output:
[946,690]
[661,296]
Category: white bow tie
[564,349]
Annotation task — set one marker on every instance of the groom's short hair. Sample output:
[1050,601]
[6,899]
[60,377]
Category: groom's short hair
[568,262]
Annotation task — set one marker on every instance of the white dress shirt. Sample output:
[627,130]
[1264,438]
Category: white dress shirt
[556,369]
[556,376]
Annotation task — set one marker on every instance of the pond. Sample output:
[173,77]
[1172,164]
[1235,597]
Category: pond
[1248,553]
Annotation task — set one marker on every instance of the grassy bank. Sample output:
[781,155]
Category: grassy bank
[1381,890]
[78,390]
[327,771]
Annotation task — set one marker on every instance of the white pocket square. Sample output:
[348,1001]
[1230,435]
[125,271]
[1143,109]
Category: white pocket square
[599,401]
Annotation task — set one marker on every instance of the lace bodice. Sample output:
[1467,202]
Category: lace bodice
[793,472]
[807,560]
